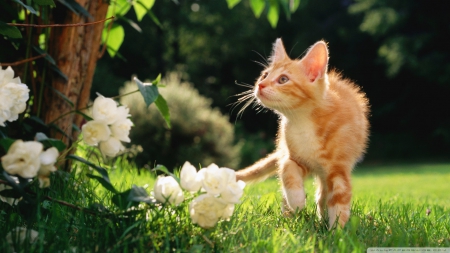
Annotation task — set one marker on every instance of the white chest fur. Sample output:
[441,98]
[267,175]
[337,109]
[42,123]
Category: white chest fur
[301,141]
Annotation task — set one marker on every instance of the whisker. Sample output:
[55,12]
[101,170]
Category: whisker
[265,63]
[246,85]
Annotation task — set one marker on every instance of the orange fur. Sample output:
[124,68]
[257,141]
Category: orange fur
[323,129]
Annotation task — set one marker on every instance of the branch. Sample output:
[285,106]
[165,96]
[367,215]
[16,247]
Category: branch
[63,25]
[22,61]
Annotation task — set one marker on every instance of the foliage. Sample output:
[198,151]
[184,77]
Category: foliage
[198,133]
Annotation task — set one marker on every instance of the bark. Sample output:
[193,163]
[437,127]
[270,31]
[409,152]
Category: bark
[76,51]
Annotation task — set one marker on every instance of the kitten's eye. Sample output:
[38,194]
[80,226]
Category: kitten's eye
[283,79]
[264,75]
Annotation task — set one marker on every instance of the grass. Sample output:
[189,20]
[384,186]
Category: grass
[393,206]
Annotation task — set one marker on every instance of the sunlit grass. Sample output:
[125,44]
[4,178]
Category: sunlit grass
[393,206]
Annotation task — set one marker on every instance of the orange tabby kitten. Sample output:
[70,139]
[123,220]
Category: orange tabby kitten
[323,129]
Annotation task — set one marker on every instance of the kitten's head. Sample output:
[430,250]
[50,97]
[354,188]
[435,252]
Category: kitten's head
[288,84]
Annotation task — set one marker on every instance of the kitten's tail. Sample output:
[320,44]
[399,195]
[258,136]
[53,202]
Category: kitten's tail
[260,170]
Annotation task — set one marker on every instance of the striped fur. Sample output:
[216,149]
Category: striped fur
[323,129]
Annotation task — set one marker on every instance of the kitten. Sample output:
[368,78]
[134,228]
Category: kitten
[323,129]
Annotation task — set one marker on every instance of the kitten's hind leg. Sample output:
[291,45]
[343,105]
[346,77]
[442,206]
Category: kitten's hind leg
[321,196]
[339,195]
[291,175]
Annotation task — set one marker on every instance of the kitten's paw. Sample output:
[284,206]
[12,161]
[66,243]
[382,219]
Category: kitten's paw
[295,199]
[286,210]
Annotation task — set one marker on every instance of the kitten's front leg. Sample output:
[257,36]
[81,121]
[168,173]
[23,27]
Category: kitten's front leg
[339,195]
[291,175]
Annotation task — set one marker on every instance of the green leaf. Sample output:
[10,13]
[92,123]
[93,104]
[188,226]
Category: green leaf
[105,178]
[75,7]
[232,3]
[161,104]
[138,194]
[45,2]
[59,72]
[154,18]
[294,4]
[47,56]
[286,4]
[6,143]
[20,188]
[29,8]
[49,142]
[38,120]
[157,80]
[10,31]
[149,91]
[164,170]
[115,38]
[64,97]
[104,182]
[85,116]
[132,24]
[142,7]
[118,8]
[121,200]
[10,193]
[51,61]
[132,197]
[273,13]
[257,7]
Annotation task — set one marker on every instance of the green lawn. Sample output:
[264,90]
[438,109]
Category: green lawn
[389,210]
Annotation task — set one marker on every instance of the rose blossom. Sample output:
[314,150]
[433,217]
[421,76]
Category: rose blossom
[214,179]
[95,131]
[168,189]
[189,178]
[104,109]
[121,129]
[48,160]
[22,158]
[13,96]
[206,210]
[111,147]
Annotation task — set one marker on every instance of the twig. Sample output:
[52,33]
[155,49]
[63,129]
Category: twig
[102,52]
[63,25]
[208,241]
[93,213]
[23,61]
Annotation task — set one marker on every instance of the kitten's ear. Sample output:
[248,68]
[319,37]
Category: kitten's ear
[278,51]
[315,61]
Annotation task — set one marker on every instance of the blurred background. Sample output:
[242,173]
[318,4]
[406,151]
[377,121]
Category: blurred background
[397,51]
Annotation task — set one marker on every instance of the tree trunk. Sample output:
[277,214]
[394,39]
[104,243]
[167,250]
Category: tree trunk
[75,50]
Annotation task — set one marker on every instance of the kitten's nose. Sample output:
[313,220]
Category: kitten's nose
[262,86]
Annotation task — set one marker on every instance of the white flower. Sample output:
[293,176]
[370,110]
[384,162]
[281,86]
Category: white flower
[121,129]
[233,192]
[214,179]
[206,210]
[22,158]
[168,189]
[122,113]
[228,211]
[10,201]
[111,147]
[95,131]
[48,160]
[189,178]
[13,96]
[105,109]
[19,236]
